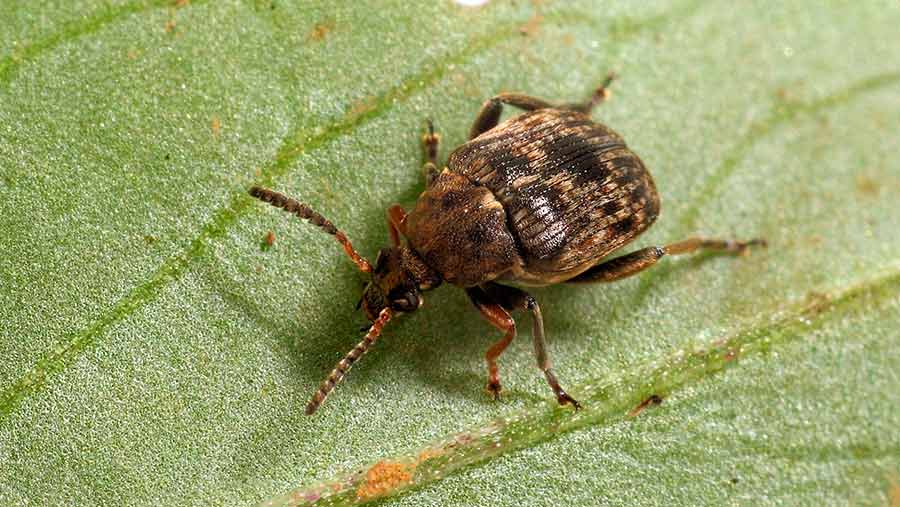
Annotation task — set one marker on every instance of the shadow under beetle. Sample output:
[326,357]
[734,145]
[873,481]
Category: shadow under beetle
[537,200]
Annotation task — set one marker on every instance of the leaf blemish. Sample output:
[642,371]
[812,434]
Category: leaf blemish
[383,477]
[268,241]
[867,186]
[216,126]
[320,31]
[532,27]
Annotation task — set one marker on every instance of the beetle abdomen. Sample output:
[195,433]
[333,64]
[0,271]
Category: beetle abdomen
[572,190]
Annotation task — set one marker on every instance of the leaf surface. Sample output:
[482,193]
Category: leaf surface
[156,351]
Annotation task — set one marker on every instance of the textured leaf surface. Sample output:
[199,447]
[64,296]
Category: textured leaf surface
[153,351]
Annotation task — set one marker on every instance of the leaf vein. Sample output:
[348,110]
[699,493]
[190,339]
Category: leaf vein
[608,398]
[780,115]
[71,31]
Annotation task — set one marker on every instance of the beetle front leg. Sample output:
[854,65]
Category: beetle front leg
[498,317]
[509,299]
[396,220]
[635,262]
[430,141]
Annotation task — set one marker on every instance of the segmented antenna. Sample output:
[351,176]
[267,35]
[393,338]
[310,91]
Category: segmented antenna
[347,362]
[303,211]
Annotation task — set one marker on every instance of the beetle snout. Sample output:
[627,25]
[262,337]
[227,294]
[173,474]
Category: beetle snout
[372,301]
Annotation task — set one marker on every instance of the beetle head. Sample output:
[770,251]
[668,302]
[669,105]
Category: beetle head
[398,279]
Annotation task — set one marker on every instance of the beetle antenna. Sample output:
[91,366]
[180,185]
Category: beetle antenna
[303,211]
[347,362]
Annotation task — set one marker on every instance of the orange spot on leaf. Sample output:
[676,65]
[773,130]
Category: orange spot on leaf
[320,31]
[383,478]
[532,27]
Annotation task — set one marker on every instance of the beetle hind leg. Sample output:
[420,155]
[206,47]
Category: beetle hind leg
[601,94]
[489,115]
[490,112]
[635,262]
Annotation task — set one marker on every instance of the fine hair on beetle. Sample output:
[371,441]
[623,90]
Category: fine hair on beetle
[540,199]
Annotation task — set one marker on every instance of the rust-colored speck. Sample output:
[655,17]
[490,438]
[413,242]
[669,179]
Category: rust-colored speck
[270,238]
[320,31]
[382,478]
[182,3]
[216,126]
[654,399]
[532,27]
[169,27]
[867,186]
[784,95]
[894,492]
[731,355]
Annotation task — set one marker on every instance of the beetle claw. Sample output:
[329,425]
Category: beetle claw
[494,389]
[743,247]
[562,398]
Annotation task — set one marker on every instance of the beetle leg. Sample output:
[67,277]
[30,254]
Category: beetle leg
[499,318]
[490,112]
[509,299]
[601,94]
[635,262]
[430,141]
[396,219]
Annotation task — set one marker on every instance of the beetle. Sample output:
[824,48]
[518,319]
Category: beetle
[542,198]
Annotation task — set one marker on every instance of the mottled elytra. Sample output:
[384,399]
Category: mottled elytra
[536,200]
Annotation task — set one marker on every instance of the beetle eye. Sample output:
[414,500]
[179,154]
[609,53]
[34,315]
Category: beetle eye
[408,303]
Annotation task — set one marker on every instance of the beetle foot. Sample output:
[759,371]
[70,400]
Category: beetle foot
[562,398]
[493,388]
[430,139]
[743,247]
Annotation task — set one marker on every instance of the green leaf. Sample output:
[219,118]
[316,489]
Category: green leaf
[157,350]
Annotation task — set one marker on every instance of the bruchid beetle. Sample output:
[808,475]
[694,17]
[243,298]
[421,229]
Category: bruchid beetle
[536,200]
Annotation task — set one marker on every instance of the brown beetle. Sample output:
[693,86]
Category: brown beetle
[537,200]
